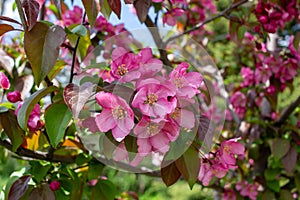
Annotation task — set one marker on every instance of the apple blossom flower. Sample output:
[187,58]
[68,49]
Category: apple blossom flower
[262,73]
[152,99]
[238,99]
[228,150]
[14,96]
[155,135]
[102,25]
[247,190]
[34,123]
[116,115]
[170,16]
[54,185]
[248,76]
[124,66]
[148,66]
[187,83]
[4,82]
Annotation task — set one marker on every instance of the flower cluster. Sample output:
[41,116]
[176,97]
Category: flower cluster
[163,100]
[238,101]
[247,190]
[219,163]
[274,17]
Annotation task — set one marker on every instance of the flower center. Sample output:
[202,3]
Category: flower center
[179,82]
[152,129]
[176,113]
[227,149]
[119,113]
[122,70]
[151,99]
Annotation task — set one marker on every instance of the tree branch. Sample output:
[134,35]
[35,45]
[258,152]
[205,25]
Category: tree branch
[158,41]
[287,112]
[21,14]
[201,24]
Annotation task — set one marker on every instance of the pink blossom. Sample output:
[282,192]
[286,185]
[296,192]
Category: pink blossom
[90,123]
[102,25]
[271,90]
[170,16]
[248,76]
[152,99]
[187,83]
[262,73]
[73,16]
[176,2]
[157,1]
[124,66]
[34,122]
[238,99]
[229,149]
[205,174]
[4,82]
[14,96]
[229,195]
[106,75]
[155,135]
[116,115]
[148,65]
[54,185]
[250,190]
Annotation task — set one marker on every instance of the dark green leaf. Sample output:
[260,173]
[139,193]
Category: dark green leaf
[104,190]
[57,118]
[279,147]
[12,129]
[29,104]
[42,192]
[285,195]
[95,170]
[39,169]
[105,8]
[189,165]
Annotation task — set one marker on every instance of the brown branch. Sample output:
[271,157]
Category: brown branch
[158,41]
[21,14]
[224,13]
[287,112]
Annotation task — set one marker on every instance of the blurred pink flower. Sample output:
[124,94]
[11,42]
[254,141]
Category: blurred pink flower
[170,16]
[116,115]
[229,149]
[14,96]
[54,185]
[34,122]
[73,16]
[248,76]
[229,195]
[4,82]
[238,99]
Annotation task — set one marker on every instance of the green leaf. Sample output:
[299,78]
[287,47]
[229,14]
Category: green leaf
[104,190]
[285,195]
[189,165]
[42,48]
[170,174]
[29,104]
[95,170]
[241,32]
[92,8]
[131,146]
[57,118]
[59,65]
[268,195]
[297,181]
[39,169]
[105,9]
[273,185]
[279,147]
[79,30]
[12,129]
[270,174]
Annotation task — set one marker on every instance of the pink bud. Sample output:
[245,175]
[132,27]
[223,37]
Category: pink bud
[263,19]
[14,96]
[54,185]
[4,82]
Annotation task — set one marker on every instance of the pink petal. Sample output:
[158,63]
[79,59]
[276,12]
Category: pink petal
[106,100]
[119,134]
[160,142]
[118,52]
[186,119]
[144,146]
[105,120]
[121,153]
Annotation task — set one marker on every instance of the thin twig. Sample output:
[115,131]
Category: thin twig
[201,24]
[22,15]
[74,52]
[287,112]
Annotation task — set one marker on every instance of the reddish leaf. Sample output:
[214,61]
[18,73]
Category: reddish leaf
[115,6]
[6,62]
[189,165]
[170,174]
[42,192]
[92,8]
[4,28]
[289,161]
[24,84]
[19,188]
[31,8]
[76,96]
[9,20]
[42,48]
[142,8]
